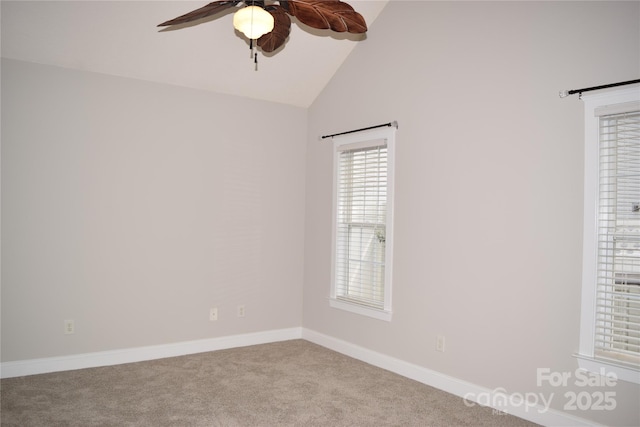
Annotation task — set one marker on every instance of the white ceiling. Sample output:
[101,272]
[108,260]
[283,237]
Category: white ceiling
[122,38]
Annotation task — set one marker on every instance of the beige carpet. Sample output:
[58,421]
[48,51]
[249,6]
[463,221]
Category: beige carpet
[292,383]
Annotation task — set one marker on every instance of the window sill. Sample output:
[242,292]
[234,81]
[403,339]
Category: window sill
[598,366]
[359,309]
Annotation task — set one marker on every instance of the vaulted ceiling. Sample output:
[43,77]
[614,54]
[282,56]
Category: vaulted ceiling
[121,38]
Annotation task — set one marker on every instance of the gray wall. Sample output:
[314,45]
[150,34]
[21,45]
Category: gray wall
[133,207]
[488,218]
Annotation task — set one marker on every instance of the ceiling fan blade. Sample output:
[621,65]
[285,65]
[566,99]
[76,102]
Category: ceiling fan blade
[203,12]
[326,14]
[281,29]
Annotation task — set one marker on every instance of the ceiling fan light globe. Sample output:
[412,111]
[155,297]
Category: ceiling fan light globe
[253,21]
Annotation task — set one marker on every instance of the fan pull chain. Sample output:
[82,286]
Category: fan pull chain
[253,53]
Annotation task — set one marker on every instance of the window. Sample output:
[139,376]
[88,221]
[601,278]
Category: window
[610,320]
[363,222]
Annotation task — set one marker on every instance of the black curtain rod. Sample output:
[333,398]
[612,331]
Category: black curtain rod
[394,123]
[565,93]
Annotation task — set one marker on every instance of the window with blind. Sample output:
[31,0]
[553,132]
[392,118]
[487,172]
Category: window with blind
[618,283]
[610,330]
[362,231]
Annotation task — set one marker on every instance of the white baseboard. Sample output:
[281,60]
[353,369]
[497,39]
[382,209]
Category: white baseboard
[138,354]
[471,393]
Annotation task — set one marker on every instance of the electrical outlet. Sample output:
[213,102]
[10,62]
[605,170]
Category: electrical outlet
[440,343]
[69,327]
[241,311]
[213,314]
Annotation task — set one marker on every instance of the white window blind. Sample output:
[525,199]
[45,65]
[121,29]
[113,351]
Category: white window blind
[617,320]
[610,258]
[363,225]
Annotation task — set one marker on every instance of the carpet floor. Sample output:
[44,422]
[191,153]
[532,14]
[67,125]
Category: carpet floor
[290,383]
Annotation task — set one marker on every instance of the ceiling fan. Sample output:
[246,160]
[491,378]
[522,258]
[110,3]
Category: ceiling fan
[273,18]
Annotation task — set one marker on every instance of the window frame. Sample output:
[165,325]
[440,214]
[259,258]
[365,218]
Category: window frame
[586,356]
[359,139]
